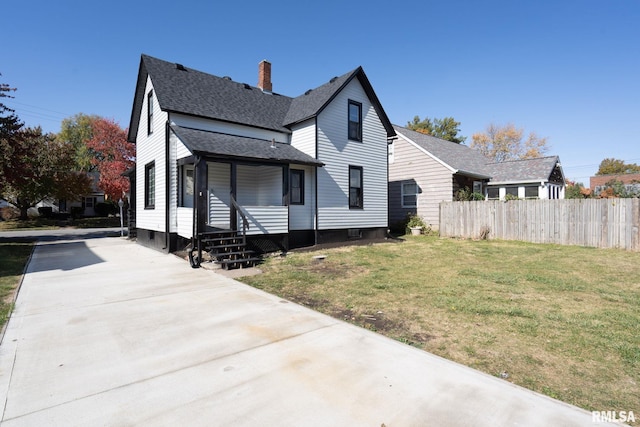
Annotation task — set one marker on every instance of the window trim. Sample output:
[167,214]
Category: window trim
[489,189]
[300,173]
[148,202]
[150,112]
[357,137]
[508,190]
[402,194]
[185,199]
[537,190]
[361,188]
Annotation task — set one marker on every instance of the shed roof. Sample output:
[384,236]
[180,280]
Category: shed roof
[227,146]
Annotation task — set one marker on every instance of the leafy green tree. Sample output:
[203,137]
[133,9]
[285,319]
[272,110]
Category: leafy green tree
[35,166]
[447,128]
[616,188]
[576,190]
[503,143]
[77,130]
[611,166]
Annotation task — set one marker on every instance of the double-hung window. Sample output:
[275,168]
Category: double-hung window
[409,194]
[150,185]
[355,187]
[355,121]
[296,196]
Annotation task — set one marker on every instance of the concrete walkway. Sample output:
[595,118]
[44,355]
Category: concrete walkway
[108,333]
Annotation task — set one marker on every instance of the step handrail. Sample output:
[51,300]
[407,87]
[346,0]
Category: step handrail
[245,221]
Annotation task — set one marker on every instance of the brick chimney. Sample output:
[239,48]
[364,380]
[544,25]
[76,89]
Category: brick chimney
[264,76]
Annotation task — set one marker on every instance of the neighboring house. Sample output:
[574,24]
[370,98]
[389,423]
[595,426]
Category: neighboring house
[631,181]
[424,171]
[88,202]
[214,154]
[540,178]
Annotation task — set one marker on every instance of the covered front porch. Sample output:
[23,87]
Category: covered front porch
[260,200]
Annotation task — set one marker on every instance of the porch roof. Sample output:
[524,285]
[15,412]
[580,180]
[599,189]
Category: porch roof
[241,148]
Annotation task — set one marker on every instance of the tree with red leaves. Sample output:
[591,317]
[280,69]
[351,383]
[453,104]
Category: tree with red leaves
[112,155]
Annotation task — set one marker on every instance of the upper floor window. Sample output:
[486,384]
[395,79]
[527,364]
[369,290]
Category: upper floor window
[150,185]
[355,187]
[355,121]
[297,187]
[150,112]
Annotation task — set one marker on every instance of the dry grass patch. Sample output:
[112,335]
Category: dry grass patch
[13,258]
[559,320]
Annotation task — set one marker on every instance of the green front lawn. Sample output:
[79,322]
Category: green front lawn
[560,320]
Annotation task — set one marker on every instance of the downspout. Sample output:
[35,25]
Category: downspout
[194,259]
[167,190]
[285,201]
[315,182]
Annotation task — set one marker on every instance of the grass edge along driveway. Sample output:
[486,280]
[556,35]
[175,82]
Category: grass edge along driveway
[13,259]
[559,320]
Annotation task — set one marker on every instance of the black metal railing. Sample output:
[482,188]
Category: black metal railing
[245,221]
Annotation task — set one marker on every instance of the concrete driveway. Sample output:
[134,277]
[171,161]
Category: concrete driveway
[108,333]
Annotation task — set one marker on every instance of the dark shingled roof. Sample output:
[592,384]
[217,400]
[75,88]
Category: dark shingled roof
[461,158]
[468,161]
[184,90]
[527,170]
[231,146]
[313,101]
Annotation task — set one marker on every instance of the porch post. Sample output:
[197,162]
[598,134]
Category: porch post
[200,193]
[233,215]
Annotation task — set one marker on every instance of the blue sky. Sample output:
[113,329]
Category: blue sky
[568,70]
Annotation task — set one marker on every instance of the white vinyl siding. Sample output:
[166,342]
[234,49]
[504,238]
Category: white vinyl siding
[302,217]
[338,153]
[434,181]
[151,148]
[303,137]
[185,222]
[265,219]
[219,194]
[228,128]
[259,185]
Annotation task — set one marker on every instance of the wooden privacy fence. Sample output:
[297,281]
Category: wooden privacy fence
[602,223]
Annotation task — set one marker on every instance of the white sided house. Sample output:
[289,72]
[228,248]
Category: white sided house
[424,171]
[221,163]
